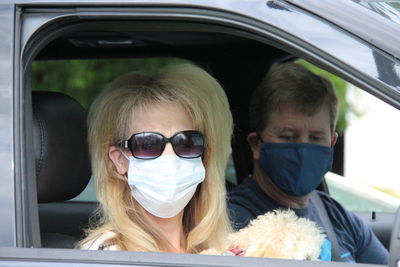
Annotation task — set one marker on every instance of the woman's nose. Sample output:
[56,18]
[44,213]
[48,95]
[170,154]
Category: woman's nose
[168,149]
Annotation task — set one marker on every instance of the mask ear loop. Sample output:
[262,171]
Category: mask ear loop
[126,174]
[122,144]
[122,152]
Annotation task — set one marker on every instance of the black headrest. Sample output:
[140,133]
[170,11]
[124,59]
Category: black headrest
[61,151]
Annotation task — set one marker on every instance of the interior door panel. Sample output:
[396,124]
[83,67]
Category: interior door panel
[382,225]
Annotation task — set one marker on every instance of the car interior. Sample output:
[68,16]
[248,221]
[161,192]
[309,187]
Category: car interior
[62,165]
[236,59]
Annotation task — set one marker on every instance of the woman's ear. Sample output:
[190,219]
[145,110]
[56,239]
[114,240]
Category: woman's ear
[121,163]
[254,143]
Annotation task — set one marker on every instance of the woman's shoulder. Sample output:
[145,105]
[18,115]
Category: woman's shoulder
[100,242]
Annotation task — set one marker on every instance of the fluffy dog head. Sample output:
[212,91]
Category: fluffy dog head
[278,234]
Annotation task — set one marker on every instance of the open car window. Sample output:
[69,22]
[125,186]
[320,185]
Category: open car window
[352,181]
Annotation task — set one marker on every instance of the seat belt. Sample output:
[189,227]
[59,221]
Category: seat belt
[327,225]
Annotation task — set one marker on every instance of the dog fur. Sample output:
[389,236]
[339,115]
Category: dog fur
[277,234]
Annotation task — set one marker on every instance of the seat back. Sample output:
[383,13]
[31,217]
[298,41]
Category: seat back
[61,157]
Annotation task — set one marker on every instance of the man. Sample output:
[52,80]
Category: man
[293,113]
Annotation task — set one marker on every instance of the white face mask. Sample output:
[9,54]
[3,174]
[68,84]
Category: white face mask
[165,185]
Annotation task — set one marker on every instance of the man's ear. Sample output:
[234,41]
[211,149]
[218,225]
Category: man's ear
[254,143]
[119,160]
[334,139]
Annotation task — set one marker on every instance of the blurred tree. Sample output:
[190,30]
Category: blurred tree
[84,79]
[340,86]
[344,109]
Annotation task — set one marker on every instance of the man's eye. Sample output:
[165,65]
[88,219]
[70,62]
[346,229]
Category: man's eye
[315,138]
[286,137]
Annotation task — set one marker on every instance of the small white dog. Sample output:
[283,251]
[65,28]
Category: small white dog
[277,234]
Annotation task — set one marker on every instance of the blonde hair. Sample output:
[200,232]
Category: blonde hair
[205,217]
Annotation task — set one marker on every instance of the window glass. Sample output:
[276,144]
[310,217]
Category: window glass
[371,158]
[230,172]
[88,194]
[84,79]
[367,177]
[363,176]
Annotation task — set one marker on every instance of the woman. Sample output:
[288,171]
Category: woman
[159,145]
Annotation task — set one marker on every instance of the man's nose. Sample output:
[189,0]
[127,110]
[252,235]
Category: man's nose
[303,139]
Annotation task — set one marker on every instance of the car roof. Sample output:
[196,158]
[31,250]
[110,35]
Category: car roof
[370,26]
[347,14]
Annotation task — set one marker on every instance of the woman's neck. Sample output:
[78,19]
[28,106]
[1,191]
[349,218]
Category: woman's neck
[172,229]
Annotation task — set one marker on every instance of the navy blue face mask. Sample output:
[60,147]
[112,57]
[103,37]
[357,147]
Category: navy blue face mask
[296,168]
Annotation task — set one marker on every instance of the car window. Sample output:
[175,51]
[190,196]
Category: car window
[371,145]
[367,178]
[353,181]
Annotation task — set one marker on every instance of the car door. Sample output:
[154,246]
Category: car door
[29,27]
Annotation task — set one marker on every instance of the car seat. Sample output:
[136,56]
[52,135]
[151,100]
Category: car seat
[62,164]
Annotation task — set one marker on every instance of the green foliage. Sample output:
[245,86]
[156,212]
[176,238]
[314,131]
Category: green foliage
[340,86]
[84,79]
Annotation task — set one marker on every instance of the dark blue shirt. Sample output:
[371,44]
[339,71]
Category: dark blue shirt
[356,240]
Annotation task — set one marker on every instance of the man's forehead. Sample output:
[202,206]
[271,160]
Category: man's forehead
[291,118]
[289,129]
[293,107]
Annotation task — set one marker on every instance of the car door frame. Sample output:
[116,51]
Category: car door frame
[280,31]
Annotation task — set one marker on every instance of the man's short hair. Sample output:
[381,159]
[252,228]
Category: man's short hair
[294,84]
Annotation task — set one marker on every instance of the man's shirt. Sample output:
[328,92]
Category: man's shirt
[357,242]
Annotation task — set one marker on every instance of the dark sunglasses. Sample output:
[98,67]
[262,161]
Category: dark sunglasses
[150,145]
